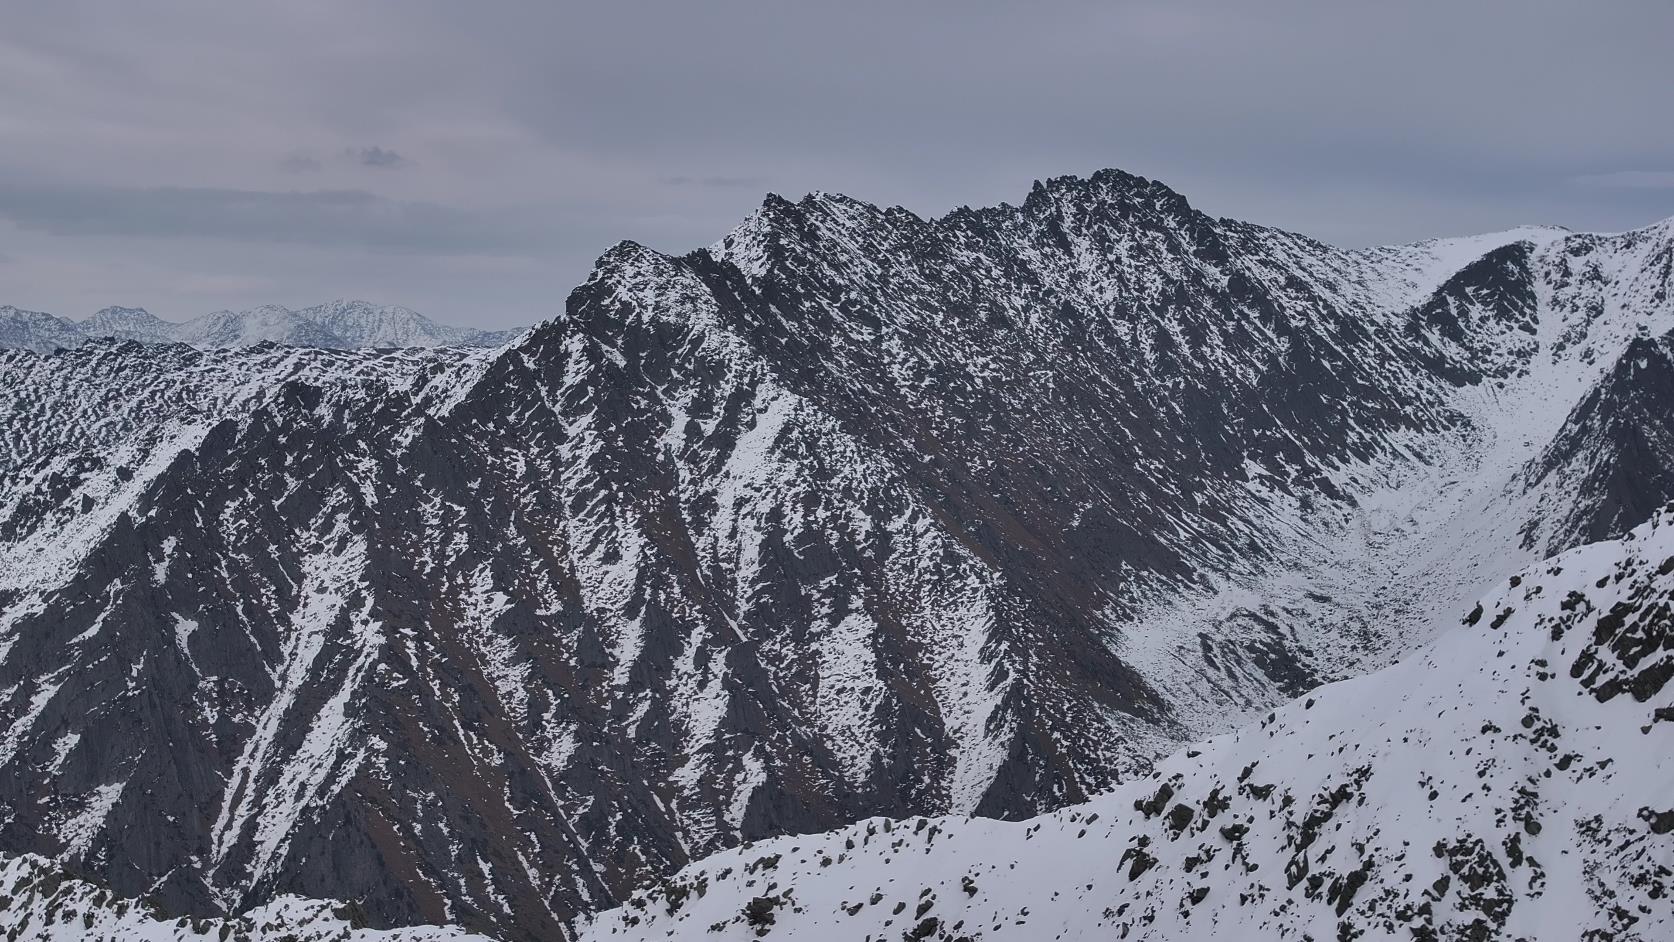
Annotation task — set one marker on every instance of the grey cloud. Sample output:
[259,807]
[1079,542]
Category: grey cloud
[662,122]
[316,217]
[1634,179]
[377,157]
[714,181]
[299,163]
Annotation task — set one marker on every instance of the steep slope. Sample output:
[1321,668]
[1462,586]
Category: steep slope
[83,431]
[1509,781]
[45,903]
[854,513]
[1617,443]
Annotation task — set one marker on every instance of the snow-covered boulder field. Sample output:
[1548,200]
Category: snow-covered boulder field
[40,901]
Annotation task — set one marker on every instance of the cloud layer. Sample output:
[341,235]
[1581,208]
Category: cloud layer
[470,160]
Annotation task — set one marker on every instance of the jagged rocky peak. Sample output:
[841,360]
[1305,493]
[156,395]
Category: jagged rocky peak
[1112,191]
[1110,194]
[625,256]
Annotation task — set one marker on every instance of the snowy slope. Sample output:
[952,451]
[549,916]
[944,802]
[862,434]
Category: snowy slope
[120,412]
[1515,779]
[44,903]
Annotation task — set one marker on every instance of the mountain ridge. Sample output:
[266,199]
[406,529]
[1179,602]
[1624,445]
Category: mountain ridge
[342,324]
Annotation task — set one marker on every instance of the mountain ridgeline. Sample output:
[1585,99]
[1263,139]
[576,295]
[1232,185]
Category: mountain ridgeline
[336,324]
[851,514]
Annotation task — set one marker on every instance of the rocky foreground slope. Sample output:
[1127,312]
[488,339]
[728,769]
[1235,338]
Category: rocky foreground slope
[851,514]
[42,902]
[1513,780]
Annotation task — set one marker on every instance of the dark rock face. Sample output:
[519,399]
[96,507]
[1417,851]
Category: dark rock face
[1616,447]
[1486,315]
[852,514]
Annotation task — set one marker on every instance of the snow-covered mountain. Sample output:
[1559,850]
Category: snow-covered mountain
[336,324]
[853,513]
[269,323]
[359,324]
[35,330]
[1512,780]
[127,323]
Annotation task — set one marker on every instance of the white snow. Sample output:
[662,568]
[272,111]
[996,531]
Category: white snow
[44,904]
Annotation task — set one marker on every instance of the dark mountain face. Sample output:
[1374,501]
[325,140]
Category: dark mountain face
[1616,447]
[853,513]
[1486,315]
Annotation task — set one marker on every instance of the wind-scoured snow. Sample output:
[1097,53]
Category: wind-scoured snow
[45,903]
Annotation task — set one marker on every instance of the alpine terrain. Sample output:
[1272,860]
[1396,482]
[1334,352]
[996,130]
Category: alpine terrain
[858,515]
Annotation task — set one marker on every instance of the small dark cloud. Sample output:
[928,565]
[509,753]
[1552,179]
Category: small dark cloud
[718,182]
[299,163]
[380,157]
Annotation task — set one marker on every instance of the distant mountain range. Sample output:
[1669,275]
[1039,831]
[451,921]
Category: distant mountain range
[336,324]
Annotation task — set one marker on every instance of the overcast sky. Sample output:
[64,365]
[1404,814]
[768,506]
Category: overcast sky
[470,160]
